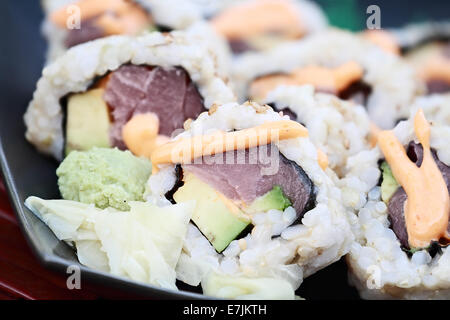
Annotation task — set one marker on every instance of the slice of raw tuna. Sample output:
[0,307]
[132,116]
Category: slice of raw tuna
[167,92]
[245,175]
[396,204]
[397,216]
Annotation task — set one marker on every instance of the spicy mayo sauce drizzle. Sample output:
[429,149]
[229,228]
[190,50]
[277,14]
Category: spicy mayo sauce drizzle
[427,208]
[258,17]
[140,134]
[113,16]
[330,80]
[185,150]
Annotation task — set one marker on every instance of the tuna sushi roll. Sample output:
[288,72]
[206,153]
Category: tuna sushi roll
[427,48]
[339,128]
[98,94]
[335,62]
[70,22]
[267,214]
[401,249]
[255,25]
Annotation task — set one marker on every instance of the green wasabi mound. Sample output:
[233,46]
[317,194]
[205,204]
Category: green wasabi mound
[103,176]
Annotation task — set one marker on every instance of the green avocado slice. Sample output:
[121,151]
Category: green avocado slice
[218,218]
[88,121]
[389,185]
[274,199]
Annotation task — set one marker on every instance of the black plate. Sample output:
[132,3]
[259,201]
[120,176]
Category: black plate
[27,172]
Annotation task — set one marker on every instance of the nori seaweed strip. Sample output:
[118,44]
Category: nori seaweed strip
[179,183]
[358,87]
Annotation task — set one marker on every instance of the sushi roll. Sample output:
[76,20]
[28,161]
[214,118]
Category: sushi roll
[432,62]
[427,47]
[102,18]
[88,96]
[255,25]
[336,62]
[267,214]
[339,128]
[401,245]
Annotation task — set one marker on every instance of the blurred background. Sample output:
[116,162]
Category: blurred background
[23,48]
[351,14]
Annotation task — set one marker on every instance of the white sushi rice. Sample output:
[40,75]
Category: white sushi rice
[339,128]
[361,174]
[323,237]
[394,83]
[175,14]
[436,107]
[379,268]
[76,70]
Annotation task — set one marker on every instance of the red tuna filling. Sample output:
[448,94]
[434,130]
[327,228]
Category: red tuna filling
[167,92]
[246,181]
